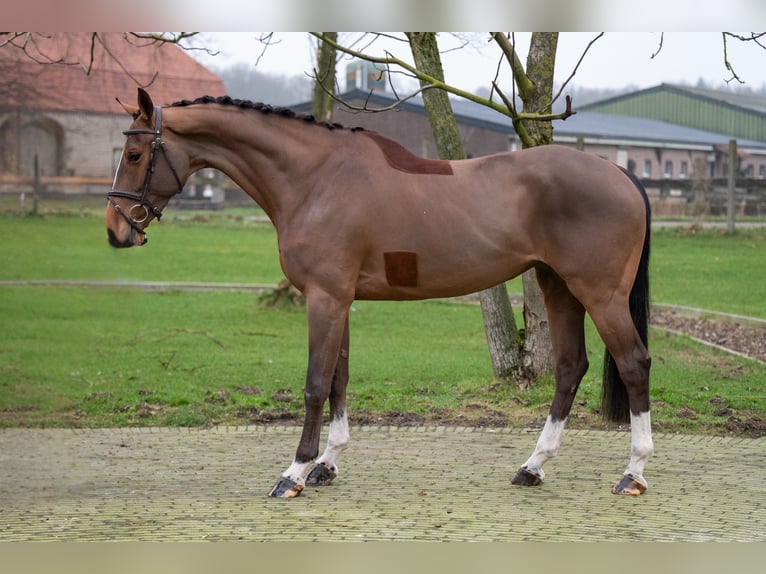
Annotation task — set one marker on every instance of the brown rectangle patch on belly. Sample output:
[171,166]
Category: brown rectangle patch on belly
[401,268]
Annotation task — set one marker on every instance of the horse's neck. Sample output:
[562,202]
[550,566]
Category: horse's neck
[263,154]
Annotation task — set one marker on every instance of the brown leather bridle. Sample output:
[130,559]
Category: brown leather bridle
[139,212]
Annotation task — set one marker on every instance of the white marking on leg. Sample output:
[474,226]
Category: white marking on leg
[641,445]
[547,446]
[337,440]
[297,471]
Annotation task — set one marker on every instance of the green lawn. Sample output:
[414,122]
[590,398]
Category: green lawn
[710,269]
[233,250]
[72,356]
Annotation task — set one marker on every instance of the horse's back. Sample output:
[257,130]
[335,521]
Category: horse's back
[552,192]
[494,217]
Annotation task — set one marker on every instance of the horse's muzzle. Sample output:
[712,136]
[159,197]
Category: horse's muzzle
[129,241]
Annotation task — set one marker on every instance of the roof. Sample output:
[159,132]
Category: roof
[739,100]
[624,128]
[50,73]
[746,101]
[466,111]
[587,124]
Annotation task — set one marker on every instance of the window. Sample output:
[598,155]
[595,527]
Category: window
[668,169]
[762,172]
[750,171]
[647,172]
[622,158]
[683,172]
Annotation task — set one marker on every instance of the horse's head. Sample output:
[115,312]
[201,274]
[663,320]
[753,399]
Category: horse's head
[149,174]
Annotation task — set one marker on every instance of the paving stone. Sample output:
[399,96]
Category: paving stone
[412,483]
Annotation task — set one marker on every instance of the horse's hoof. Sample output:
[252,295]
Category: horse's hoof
[629,485]
[320,475]
[286,488]
[525,478]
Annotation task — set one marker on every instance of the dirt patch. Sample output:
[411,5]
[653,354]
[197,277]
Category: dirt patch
[754,427]
[252,415]
[391,418]
[148,410]
[16,416]
[749,341]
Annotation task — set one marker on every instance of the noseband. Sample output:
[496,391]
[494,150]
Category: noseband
[139,212]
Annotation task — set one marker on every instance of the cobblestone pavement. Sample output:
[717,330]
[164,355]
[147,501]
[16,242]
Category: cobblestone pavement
[413,483]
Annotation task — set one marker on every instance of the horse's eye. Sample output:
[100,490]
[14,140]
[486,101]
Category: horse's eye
[134,156]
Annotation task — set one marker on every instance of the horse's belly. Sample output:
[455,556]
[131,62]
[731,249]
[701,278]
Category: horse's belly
[409,276]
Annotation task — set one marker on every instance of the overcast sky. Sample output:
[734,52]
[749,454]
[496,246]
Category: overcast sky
[616,60]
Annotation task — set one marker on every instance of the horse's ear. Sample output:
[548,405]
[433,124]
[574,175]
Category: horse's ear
[132,110]
[145,105]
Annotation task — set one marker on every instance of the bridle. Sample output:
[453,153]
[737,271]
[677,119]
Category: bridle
[139,212]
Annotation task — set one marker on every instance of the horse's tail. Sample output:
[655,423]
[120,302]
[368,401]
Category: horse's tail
[614,398]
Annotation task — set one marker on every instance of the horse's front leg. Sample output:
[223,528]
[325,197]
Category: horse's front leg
[327,319]
[326,468]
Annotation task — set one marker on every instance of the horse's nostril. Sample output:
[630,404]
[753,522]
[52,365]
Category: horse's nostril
[114,242]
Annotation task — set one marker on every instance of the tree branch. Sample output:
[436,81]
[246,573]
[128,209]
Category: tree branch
[97,37]
[32,49]
[754,37]
[174,38]
[265,40]
[517,68]
[27,43]
[431,82]
[574,71]
[726,62]
[366,107]
[518,125]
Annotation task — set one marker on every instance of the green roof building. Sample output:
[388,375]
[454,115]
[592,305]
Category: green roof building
[737,115]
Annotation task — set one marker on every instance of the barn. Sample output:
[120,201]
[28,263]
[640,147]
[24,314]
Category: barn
[739,115]
[58,106]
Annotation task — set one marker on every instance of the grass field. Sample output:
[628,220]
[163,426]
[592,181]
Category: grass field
[710,269]
[74,356]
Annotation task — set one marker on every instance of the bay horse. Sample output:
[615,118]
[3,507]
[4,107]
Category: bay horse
[359,217]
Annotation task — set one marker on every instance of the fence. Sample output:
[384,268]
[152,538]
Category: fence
[669,198]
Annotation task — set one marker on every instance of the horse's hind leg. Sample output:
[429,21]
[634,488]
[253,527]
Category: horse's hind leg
[566,317]
[623,342]
[326,468]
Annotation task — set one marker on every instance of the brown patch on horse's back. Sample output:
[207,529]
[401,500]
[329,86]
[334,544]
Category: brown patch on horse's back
[401,268]
[404,160]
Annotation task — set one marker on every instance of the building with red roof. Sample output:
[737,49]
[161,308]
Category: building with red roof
[58,100]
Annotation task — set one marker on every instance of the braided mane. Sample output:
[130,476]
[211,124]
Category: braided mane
[261,107]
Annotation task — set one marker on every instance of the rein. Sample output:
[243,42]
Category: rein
[139,212]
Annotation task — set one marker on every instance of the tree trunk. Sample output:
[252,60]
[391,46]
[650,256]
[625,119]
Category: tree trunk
[541,60]
[322,101]
[499,322]
[503,339]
